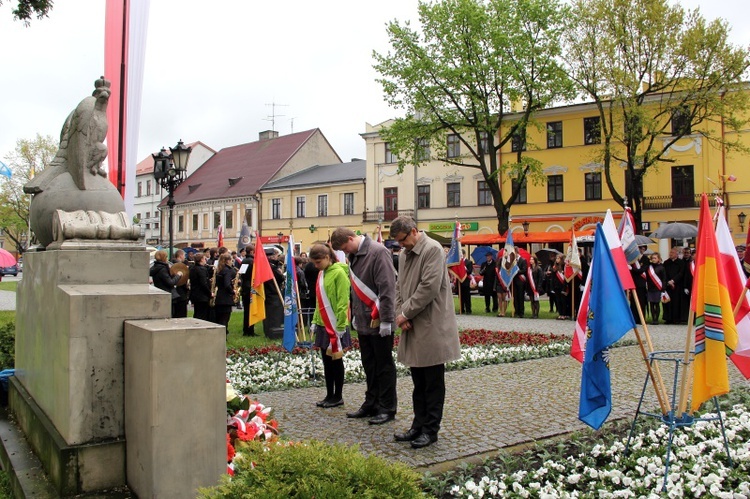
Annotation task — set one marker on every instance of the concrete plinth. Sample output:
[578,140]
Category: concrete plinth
[175,376]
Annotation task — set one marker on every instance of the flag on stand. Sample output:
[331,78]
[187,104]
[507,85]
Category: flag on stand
[220,237]
[379,235]
[509,262]
[715,331]
[244,237]
[736,285]
[291,312]
[609,319]
[455,259]
[261,273]
[626,231]
[572,259]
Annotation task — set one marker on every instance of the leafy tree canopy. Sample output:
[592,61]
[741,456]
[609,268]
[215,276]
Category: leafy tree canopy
[27,8]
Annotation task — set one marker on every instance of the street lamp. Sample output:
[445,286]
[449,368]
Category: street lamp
[525,227]
[170,170]
[741,217]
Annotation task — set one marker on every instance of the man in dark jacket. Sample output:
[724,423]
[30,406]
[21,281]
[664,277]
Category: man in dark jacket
[519,288]
[373,312]
[487,270]
[246,289]
[674,267]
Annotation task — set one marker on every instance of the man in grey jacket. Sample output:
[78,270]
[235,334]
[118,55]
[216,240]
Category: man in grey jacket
[373,291]
[429,333]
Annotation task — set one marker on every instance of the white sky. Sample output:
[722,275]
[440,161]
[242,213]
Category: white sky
[213,68]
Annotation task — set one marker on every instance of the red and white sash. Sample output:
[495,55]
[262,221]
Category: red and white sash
[561,277]
[532,284]
[368,297]
[503,287]
[692,268]
[655,278]
[326,313]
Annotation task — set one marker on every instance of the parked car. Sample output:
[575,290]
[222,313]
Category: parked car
[12,270]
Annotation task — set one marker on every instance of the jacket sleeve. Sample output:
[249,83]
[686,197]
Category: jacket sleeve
[385,283]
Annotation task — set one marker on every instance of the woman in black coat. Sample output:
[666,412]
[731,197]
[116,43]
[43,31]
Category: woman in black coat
[656,278]
[200,287]
[161,277]
[225,274]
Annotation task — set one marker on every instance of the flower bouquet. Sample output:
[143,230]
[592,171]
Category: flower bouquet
[247,420]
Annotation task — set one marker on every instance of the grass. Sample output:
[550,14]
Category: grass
[477,308]
[9,286]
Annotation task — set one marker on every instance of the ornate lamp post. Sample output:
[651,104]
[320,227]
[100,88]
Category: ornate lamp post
[525,225]
[741,217]
[170,170]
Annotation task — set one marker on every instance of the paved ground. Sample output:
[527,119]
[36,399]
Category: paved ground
[486,408]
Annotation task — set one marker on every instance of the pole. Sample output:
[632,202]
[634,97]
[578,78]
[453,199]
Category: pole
[170,203]
[685,363]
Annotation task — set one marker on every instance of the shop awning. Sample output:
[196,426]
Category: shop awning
[521,238]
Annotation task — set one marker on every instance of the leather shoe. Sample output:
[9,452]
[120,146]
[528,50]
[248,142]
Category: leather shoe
[381,418]
[321,403]
[407,436]
[423,440]
[332,403]
[361,413]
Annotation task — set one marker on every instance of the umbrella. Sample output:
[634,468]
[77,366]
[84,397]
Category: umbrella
[6,258]
[481,251]
[189,251]
[544,255]
[643,240]
[522,252]
[676,230]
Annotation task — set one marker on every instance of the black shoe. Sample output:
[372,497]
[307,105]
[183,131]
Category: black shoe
[423,440]
[322,403]
[486,310]
[249,334]
[332,403]
[407,436]
[361,413]
[381,418]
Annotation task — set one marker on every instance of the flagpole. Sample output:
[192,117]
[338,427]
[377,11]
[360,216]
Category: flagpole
[738,306]
[685,364]
[653,371]
[458,285]
[300,327]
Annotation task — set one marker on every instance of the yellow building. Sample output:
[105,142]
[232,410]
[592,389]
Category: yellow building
[573,194]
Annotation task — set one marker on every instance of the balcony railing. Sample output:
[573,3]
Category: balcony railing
[385,215]
[666,202]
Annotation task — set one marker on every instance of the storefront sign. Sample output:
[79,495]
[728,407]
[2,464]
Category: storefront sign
[582,222]
[448,226]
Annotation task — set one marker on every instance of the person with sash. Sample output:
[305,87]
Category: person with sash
[330,320]
[502,293]
[674,268]
[429,332]
[561,288]
[373,281]
[534,278]
[656,279]
[639,279]
[687,284]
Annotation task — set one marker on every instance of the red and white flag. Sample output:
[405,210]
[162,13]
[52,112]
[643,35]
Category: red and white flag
[379,235]
[220,237]
[572,259]
[735,281]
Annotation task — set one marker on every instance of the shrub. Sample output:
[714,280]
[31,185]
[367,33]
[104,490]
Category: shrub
[314,469]
[7,345]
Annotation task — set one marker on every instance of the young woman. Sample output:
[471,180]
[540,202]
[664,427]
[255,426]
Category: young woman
[330,320]
[200,287]
[534,278]
[225,274]
[656,278]
[502,293]
[161,277]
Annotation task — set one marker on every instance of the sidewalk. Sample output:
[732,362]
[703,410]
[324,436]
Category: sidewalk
[487,408]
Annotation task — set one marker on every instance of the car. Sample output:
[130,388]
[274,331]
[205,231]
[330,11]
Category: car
[12,270]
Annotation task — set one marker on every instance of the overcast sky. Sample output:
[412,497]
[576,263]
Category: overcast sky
[213,69]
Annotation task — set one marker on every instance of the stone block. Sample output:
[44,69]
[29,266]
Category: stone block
[175,406]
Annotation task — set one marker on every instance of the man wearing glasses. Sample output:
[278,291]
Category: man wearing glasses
[429,332]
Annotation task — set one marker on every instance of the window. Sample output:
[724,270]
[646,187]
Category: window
[484,142]
[454,146]
[180,223]
[518,141]
[140,190]
[195,222]
[148,188]
[323,205]
[591,131]
[554,188]
[300,206]
[593,186]
[554,134]
[157,188]
[390,199]
[484,196]
[389,156]
[423,196]
[217,219]
[249,217]
[205,220]
[276,208]
[683,187]
[454,194]
[681,121]
[521,197]
[423,146]
[348,203]
[228,219]
[148,214]
[156,225]
[138,216]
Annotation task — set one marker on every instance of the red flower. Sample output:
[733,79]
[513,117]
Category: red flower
[230,449]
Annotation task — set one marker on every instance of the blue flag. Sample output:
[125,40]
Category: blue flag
[4,170]
[291,312]
[608,320]
[244,237]
[509,263]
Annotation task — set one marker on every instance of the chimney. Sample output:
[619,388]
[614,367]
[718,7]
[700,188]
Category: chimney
[268,134]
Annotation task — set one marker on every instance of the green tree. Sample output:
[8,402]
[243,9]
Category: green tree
[29,158]
[460,75]
[656,73]
[26,8]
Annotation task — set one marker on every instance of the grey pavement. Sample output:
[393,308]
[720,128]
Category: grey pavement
[487,408]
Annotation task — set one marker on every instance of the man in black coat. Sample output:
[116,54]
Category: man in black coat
[246,288]
[519,288]
[674,267]
[639,279]
[466,287]
[487,270]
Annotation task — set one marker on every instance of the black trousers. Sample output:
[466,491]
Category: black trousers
[246,330]
[223,314]
[490,298]
[428,398]
[200,310]
[465,298]
[333,370]
[518,299]
[179,308]
[380,373]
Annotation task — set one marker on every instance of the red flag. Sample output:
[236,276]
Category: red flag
[220,237]
[261,268]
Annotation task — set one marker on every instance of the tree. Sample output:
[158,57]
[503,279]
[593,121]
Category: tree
[656,73]
[460,75]
[29,158]
[26,8]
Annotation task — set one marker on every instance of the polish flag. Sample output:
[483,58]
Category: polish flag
[735,281]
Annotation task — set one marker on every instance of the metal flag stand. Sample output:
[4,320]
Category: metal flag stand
[306,318]
[671,419]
